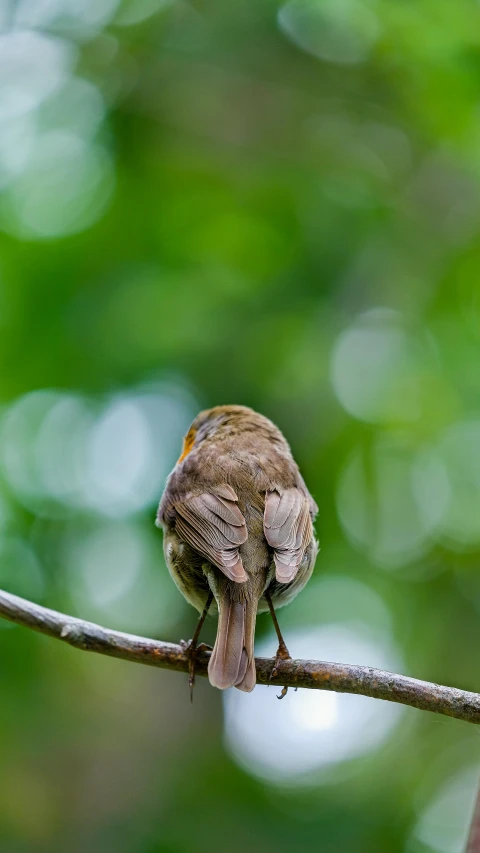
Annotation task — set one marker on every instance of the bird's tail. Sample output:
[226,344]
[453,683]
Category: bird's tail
[232,663]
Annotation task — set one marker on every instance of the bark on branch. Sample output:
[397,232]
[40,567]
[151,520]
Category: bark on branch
[316,675]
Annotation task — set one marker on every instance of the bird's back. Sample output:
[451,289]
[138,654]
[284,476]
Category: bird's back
[238,518]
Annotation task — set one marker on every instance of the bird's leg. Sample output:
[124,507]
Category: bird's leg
[282,651]
[191,648]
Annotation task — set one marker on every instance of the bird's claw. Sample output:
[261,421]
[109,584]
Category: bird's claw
[282,655]
[190,650]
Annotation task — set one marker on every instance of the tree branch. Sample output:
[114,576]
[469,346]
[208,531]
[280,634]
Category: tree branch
[316,675]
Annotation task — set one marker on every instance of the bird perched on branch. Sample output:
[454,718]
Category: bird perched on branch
[238,533]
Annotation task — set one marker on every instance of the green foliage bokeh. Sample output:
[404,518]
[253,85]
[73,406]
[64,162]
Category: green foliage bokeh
[274,205]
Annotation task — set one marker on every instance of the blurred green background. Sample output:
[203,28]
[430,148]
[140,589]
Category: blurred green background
[260,203]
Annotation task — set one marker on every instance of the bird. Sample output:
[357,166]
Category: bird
[238,531]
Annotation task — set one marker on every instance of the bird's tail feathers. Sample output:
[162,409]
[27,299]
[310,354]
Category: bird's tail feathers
[232,663]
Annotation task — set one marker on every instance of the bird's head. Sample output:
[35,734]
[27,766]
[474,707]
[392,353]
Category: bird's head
[210,422]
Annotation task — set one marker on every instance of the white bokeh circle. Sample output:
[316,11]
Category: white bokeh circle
[288,741]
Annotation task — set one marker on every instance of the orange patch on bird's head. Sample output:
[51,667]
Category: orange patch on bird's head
[188,442]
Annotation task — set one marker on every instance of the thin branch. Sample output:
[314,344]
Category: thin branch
[473,843]
[316,675]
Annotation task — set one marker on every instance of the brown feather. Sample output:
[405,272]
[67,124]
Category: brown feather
[288,529]
[228,662]
[201,522]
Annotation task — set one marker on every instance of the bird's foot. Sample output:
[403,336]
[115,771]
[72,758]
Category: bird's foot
[190,649]
[282,655]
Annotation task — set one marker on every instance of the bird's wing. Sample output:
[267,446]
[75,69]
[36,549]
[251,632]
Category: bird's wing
[213,525]
[288,530]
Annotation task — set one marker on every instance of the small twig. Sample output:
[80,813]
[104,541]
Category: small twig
[473,844]
[316,675]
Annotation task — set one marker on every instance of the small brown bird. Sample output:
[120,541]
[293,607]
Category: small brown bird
[237,519]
